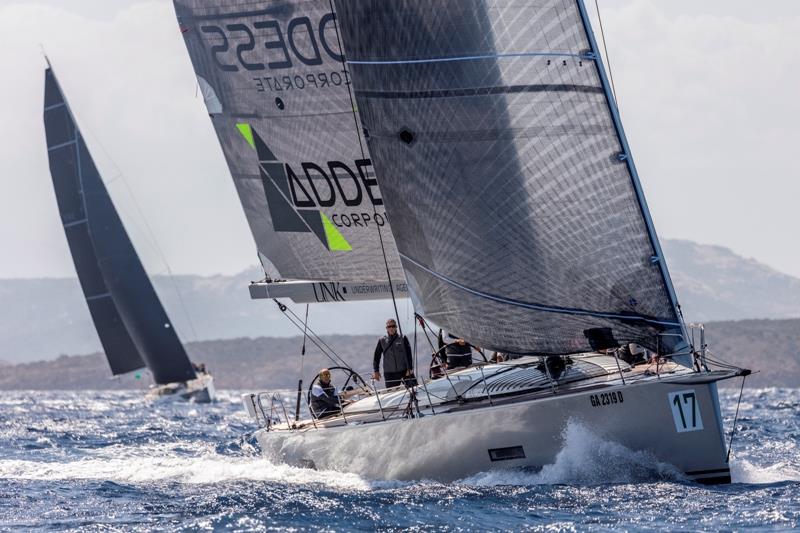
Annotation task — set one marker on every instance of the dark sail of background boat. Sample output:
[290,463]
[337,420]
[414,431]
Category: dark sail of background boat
[131,322]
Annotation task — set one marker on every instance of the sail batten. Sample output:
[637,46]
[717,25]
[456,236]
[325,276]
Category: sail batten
[515,208]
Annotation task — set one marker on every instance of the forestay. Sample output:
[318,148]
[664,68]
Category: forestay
[513,198]
[132,325]
[286,122]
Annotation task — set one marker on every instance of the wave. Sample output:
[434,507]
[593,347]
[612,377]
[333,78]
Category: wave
[164,466]
[743,471]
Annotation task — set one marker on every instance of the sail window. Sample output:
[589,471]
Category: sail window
[279,103]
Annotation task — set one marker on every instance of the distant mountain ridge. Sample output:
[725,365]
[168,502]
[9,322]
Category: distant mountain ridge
[44,318]
[713,283]
[771,348]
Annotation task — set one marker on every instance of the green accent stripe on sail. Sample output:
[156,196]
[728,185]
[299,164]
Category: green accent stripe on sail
[247,133]
[336,241]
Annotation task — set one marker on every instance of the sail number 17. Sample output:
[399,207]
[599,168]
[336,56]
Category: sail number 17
[685,411]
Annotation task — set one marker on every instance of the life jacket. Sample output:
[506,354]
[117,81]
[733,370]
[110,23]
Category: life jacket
[458,355]
[324,401]
[394,354]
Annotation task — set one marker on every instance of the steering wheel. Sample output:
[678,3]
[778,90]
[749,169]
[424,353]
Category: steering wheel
[351,374]
[435,368]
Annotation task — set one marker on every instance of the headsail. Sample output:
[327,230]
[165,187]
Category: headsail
[291,137]
[513,198]
[132,325]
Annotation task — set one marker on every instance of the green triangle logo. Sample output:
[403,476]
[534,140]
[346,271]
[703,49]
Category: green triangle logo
[336,241]
[247,133]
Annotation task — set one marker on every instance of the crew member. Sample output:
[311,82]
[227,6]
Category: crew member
[325,401]
[397,359]
[457,353]
[632,354]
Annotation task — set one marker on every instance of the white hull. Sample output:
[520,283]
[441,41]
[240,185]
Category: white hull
[199,390]
[454,445]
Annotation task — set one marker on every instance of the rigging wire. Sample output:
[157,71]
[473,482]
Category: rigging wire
[319,338]
[608,58]
[149,234]
[303,349]
[735,418]
[326,350]
[302,369]
[364,156]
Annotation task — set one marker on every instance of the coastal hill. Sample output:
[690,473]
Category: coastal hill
[713,283]
[45,318]
[771,347]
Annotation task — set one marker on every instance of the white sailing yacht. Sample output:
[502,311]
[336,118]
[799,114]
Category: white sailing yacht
[509,210]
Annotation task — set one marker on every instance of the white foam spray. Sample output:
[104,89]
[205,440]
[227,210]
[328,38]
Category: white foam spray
[151,464]
[585,459]
[743,471]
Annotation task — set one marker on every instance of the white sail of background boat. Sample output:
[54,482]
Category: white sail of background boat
[131,323]
[517,221]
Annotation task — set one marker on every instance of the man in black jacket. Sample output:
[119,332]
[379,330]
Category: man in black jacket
[325,400]
[397,359]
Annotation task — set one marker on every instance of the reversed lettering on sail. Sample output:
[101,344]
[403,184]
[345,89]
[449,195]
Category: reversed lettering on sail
[513,201]
[292,139]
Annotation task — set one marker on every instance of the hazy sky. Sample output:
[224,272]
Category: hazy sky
[709,92]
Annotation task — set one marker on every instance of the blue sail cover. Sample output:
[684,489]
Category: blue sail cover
[514,202]
[277,90]
[132,325]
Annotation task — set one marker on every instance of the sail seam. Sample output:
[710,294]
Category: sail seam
[54,106]
[484,91]
[537,307]
[469,58]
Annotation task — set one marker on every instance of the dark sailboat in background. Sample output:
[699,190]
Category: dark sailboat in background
[513,217]
[133,326]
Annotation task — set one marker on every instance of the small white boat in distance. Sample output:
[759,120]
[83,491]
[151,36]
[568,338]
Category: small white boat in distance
[198,390]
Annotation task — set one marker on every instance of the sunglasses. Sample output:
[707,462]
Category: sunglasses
[391,327]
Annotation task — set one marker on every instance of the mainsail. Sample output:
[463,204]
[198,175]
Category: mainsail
[292,139]
[132,325]
[514,202]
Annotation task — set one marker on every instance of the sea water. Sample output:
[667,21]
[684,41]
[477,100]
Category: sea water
[104,461]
